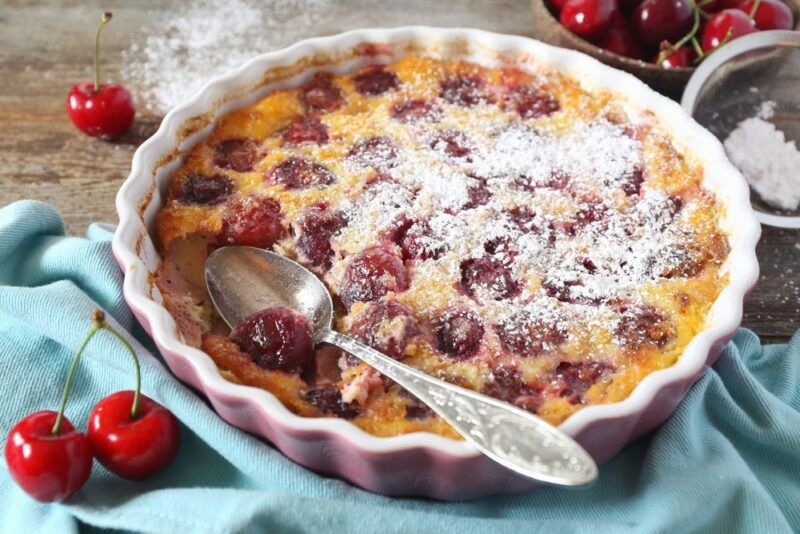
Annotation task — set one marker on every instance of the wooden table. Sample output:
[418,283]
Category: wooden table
[45,48]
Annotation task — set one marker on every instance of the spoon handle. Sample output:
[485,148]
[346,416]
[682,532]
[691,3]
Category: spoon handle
[512,437]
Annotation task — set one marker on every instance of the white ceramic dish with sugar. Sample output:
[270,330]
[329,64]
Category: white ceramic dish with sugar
[419,463]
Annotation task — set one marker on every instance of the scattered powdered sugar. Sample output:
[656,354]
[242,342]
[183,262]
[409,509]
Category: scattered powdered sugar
[190,42]
[767,109]
[613,257]
[204,39]
[767,159]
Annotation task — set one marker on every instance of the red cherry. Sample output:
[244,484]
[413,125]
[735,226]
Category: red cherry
[106,113]
[377,152]
[458,333]
[726,26]
[529,336]
[100,110]
[681,58]
[574,379]
[306,129]
[588,18]
[507,384]
[238,154]
[371,274]
[276,339]
[198,189]
[770,15]
[418,242]
[644,325]
[375,80]
[465,90]
[655,21]
[49,467]
[620,39]
[387,326]
[531,101]
[557,5]
[619,22]
[627,6]
[328,398]
[718,5]
[321,95]
[313,233]
[252,222]
[133,447]
[489,276]
[296,172]
[418,110]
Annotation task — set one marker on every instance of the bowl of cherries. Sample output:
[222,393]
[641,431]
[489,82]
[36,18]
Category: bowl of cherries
[659,41]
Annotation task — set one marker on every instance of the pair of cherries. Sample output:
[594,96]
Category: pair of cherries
[130,434]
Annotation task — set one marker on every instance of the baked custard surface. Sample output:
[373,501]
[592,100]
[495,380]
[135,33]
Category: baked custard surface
[507,231]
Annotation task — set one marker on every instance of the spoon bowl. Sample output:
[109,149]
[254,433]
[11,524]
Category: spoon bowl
[246,280]
[276,281]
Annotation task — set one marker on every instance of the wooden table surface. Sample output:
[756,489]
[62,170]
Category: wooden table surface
[45,49]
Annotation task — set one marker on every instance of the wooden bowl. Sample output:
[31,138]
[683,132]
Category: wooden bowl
[669,82]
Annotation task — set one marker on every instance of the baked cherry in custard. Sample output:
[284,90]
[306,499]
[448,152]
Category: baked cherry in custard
[503,229]
[370,275]
[276,338]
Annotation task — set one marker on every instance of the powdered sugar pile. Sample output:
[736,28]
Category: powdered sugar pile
[767,159]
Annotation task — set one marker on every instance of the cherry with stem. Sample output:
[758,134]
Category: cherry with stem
[100,110]
[667,48]
[132,435]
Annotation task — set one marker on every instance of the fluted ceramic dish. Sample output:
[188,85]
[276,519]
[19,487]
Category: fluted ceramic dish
[420,463]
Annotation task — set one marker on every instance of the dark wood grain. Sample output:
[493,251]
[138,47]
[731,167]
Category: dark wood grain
[45,48]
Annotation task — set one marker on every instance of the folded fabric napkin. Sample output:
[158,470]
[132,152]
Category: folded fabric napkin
[727,460]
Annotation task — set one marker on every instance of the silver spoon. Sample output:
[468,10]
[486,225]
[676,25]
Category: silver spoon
[245,280]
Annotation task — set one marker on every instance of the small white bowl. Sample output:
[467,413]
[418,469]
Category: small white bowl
[734,59]
[419,463]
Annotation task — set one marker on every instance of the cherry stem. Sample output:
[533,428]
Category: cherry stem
[104,19]
[698,49]
[686,38]
[98,323]
[725,39]
[753,9]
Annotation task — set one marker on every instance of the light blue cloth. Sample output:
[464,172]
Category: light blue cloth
[728,460]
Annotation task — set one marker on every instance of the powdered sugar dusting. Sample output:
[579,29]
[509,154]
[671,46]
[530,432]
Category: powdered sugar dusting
[592,153]
[207,38]
[561,207]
